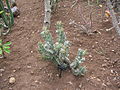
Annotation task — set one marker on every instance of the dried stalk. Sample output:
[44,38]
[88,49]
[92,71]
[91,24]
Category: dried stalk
[47,13]
[74,3]
[114,19]
[88,24]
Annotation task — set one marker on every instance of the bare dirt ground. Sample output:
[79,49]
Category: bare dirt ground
[33,73]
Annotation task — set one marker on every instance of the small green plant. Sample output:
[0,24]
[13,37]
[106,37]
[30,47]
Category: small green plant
[6,17]
[58,52]
[4,48]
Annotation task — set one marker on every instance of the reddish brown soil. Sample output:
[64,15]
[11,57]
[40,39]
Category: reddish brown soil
[33,73]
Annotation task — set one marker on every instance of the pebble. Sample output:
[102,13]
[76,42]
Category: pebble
[104,84]
[96,42]
[10,88]
[113,50]
[40,82]
[64,6]
[18,16]
[90,56]
[29,67]
[92,77]
[112,71]
[71,22]
[14,71]
[31,72]
[19,67]
[98,79]
[33,32]
[107,30]
[36,81]
[70,83]
[2,70]
[31,51]
[1,75]
[104,65]
[80,86]
[108,83]
[12,80]
[57,75]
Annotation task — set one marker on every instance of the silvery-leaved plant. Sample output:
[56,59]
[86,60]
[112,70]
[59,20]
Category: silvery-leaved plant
[77,69]
[58,52]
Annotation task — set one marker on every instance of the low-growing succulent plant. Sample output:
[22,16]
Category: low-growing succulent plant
[4,48]
[58,52]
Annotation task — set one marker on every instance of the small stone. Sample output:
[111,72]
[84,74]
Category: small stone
[80,86]
[29,67]
[10,88]
[115,78]
[24,20]
[106,20]
[33,32]
[107,58]
[12,80]
[36,81]
[1,75]
[113,50]
[92,77]
[31,72]
[96,42]
[2,70]
[104,84]
[19,67]
[31,51]
[108,30]
[50,75]
[108,83]
[70,83]
[93,46]
[112,71]
[90,56]
[104,65]
[40,68]
[71,22]
[64,6]
[98,79]
[44,71]
[14,71]
[18,16]
[57,75]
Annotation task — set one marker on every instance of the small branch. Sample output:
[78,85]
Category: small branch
[112,27]
[90,16]
[74,3]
